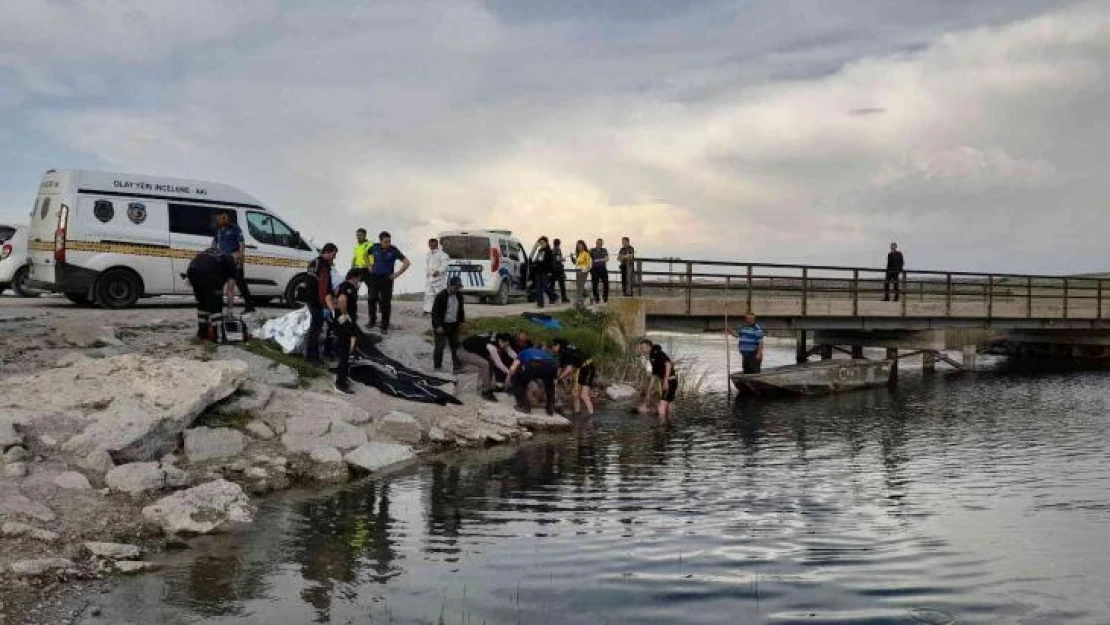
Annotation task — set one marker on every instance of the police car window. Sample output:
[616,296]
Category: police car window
[465,247]
[6,232]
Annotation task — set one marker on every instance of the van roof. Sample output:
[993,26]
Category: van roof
[455,233]
[153,187]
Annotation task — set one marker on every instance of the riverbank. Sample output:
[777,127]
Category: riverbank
[118,429]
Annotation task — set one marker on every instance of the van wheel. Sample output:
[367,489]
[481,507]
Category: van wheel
[19,283]
[296,291]
[503,293]
[118,288]
[81,299]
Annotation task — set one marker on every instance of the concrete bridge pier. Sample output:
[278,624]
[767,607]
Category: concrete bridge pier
[892,356]
[929,362]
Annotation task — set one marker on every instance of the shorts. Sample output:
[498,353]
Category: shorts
[669,390]
[587,376]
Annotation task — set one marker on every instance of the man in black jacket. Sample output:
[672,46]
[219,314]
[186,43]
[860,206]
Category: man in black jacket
[448,314]
[317,292]
[208,274]
[894,265]
[543,266]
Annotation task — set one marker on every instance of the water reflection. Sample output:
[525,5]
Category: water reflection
[973,500]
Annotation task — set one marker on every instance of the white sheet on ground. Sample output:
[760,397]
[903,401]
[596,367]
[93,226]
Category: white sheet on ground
[289,330]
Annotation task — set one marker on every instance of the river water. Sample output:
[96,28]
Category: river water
[978,498]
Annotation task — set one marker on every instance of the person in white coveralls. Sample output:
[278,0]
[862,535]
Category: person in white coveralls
[436,274]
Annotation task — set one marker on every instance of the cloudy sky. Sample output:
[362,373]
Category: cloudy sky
[974,132]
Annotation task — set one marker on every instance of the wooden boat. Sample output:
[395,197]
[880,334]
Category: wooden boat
[815,378]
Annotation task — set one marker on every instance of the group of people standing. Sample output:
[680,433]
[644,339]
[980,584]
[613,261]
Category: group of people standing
[549,270]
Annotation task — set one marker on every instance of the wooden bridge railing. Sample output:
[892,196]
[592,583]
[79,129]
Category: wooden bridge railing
[821,290]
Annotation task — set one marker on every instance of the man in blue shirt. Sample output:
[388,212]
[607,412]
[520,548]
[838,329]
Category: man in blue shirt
[751,344]
[382,275]
[229,240]
[534,364]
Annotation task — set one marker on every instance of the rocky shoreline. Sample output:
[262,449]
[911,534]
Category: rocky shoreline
[122,440]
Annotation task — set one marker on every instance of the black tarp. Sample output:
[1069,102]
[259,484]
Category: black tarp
[371,367]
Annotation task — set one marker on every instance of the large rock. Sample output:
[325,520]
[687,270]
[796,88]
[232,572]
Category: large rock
[376,455]
[12,529]
[45,566]
[286,404]
[139,478]
[326,465]
[618,392]
[131,407]
[9,437]
[13,504]
[17,454]
[399,426]
[114,551]
[205,509]
[259,430]
[497,414]
[203,443]
[72,480]
[262,369]
[15,470]
[131,567]
[537,422]
[305,433]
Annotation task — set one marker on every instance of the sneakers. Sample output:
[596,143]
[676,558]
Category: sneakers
[345,389]
[489,396]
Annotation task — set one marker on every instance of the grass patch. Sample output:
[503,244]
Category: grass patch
[272,351]
[585,329]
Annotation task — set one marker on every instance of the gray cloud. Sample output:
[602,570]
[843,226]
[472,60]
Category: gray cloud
[971,132]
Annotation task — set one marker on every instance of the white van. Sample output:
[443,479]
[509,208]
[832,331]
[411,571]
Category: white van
[492,264]
[111,238]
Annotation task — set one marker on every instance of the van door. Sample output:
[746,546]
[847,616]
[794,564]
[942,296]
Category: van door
[107,231]
[192,229]
[275,253]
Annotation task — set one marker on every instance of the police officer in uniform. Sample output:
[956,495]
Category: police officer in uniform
[209,273]
[340,316]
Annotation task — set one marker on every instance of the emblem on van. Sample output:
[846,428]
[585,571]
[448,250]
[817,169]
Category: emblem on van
[136,212]
[103,211]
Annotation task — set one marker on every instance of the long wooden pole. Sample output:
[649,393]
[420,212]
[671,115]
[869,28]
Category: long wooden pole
[728,342]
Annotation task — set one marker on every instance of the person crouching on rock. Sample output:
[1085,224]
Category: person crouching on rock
[534,364]
[340,306]
[577,370]
[209,274]
[448,313]
[484,353]
[663,374]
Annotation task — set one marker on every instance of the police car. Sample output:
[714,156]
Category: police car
[14,266]
[110,238]
[492,264]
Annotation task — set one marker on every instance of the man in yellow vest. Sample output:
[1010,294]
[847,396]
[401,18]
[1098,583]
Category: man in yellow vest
[361,261]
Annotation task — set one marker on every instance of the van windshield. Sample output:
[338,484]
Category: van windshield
[465,247]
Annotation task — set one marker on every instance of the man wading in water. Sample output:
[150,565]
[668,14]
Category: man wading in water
[663,375]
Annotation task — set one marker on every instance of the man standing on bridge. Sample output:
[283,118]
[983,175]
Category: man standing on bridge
[894,265]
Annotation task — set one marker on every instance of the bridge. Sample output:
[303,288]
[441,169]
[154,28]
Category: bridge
[843,308]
